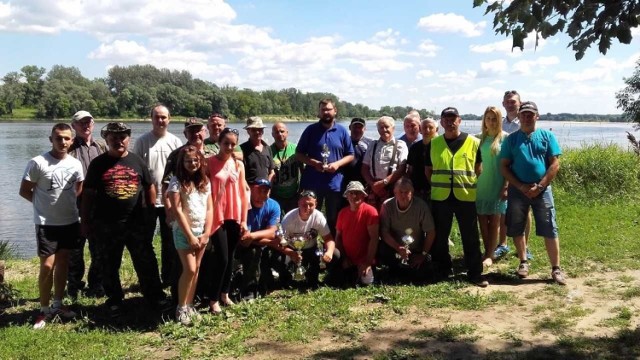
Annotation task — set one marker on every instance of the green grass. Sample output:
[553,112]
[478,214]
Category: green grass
[22,113]
[452,333]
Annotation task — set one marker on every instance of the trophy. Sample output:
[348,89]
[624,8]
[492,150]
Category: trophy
[325,156]
[280,235]
[297,242]
[407,240]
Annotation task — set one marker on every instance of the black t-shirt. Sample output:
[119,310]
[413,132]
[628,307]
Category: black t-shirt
[416,159]
[257,164]
[119,185]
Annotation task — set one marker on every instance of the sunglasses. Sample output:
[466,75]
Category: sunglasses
[308,193]
[510,92]
[229,130]
[218,115]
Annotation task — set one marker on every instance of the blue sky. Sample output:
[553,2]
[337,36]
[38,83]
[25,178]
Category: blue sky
[426,54]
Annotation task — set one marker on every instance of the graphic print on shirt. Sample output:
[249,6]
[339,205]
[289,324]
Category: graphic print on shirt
[63,178]
[121,182]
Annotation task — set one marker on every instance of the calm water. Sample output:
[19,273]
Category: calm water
[19,142]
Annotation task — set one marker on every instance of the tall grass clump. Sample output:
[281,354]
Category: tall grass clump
[6,250]
[599,172]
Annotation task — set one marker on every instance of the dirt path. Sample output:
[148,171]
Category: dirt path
[581,319]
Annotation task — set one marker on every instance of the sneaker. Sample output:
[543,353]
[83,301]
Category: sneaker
[479,281]
[115,311]
[523,270]
[529,255]
[63,312]
[183,316]
[501,251]
[558,277]
[41,320]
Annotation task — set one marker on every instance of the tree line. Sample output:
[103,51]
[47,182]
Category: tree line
[131,91]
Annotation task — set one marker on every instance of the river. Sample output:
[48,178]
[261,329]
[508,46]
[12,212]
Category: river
[20,141]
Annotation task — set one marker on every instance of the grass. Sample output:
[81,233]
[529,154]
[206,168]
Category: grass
[598,234]
[21,113]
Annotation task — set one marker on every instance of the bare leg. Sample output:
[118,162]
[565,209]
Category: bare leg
[503,230]
[185,282]
[45,279]
[521,249]
[61,270]
[553,250]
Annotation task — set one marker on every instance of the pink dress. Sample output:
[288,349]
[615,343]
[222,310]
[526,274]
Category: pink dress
[227,191]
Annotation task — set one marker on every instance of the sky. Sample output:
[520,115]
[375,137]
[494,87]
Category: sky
[425,54]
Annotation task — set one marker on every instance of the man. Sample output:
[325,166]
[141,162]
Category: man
[384,162]
[452,168]
[154,148]
[215,124]
[511,124]
[118,184]
[356,237]
[51,182]
[194,132]
[262,219]
[321,174]
[84,148]
[309,222]
[258,162]
[404,215]
[529,160]
[360,142]
[287,168]
[411,128]
[416,159]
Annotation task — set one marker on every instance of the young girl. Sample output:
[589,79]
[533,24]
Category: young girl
[190,196]
[492,187]
[231,203]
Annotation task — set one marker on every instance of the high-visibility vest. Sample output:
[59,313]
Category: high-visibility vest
[454,171]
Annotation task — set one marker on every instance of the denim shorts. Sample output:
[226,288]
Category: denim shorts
[181,241]
[543,208]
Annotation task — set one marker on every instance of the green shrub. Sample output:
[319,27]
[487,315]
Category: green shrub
[599,173]
[6,250]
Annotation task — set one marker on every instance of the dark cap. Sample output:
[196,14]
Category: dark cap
[115,128]
[449,111]
[192,122]
[261,182]
[529,106]
[358,121]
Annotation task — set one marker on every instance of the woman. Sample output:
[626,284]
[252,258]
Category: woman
[492,187]
[230,206]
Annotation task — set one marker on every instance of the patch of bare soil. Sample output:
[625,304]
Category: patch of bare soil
[539,316]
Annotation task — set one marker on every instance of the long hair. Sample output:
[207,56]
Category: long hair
[198,180]
[495,145]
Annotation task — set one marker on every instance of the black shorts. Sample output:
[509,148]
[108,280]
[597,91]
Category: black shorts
[52,238]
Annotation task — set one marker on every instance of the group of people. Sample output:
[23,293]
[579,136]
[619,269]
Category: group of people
[385,203]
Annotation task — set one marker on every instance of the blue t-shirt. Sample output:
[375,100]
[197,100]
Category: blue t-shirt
[263,217]
[529,154]
[311,141]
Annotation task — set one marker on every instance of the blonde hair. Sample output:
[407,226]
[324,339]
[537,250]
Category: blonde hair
[497,140]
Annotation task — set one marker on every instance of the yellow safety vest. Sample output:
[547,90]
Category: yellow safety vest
[454,171]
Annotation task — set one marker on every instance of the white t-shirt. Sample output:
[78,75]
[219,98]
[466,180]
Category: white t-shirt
[54,196]
[155,151]
[194,205]
[382,157]
[293,224]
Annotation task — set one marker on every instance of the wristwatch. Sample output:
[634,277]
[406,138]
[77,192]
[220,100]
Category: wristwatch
[426,255]
[539,187]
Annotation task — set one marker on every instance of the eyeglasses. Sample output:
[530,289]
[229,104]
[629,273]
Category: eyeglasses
[308,193]
[229,130]
[510,92]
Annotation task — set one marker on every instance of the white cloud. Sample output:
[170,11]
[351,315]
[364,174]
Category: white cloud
[383,65]
[428,48]
[526,67]
[388,38]
[454,77]
[362,50]
[451,23]
[505,46]
[492,68]
[482,95]
[422,74]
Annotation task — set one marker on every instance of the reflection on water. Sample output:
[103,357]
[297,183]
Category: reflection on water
[19,142]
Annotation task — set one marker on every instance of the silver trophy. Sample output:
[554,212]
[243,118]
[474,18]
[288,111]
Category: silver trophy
[280,235]
[297,242]
[407,240]
[325,156]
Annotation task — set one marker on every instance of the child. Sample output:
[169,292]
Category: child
[190,195]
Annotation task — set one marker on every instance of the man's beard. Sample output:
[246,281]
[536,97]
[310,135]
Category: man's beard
[326,119]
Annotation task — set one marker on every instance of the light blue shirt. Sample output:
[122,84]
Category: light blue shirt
[530,154]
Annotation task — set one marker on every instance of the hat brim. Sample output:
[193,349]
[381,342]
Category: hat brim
[346,192]
[528,110]
[254,127]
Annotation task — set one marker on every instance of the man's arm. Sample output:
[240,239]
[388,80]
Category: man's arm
[86,205]
[428,171]
[552,171]
[260,237]
[373,231]
[329,247]
[505,170]
[79,188]
[150,195]
[26,189]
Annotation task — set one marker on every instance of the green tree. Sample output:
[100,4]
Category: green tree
[33,88]
[587,22]
[629,97]
[12,91]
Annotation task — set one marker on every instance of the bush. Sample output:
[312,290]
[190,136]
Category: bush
[599,173]
[6,251]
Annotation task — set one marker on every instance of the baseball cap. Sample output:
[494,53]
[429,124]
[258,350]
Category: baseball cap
[115,128]
[529,106]
[81,115]
[357,120]
[261,182]
[449,111]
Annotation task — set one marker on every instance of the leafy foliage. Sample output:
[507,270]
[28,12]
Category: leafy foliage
[131,91]
[587,22]
[629,97]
